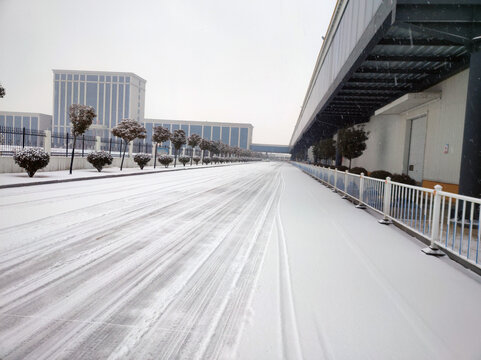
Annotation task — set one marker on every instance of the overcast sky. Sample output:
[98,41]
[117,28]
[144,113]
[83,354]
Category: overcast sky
[209,60]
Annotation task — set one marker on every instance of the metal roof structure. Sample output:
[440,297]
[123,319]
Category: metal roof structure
[269,148]
[377,51]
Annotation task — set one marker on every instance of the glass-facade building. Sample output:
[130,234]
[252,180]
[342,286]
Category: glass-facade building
[29,121]
[236,135]
[114,95]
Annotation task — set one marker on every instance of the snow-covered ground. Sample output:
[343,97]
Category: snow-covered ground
[8,179]
[256,261]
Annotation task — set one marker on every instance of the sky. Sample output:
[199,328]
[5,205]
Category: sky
[246,61]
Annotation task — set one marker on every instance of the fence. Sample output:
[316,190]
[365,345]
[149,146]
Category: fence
[61,144]
[448,221]
[12,139]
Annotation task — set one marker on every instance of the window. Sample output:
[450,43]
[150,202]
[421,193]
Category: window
[102,78]
[121,101]
[57,76]
[207,132]
[62,103]
[18,121]
[26,122]
[114,120]
[56,104]
[127,79]
[9,121]
[234,136]
[82,93]
[75,77]
[216,133]
[75,93]
[196,129]
[69,77]
[175,127]
[127,100]
[69,96]
[100,112]
[121,79]
[92,78]
[107,105]
[225,135]
[34,123]
[243,138]
[186,129]
[108,79]
[64,77]
[91,99]
[114,78]
[82,77]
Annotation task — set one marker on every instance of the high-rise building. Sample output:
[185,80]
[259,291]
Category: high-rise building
[114,95]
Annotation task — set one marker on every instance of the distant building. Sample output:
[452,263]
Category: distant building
[114,95]
[233,134]
[269,148]
[27,120]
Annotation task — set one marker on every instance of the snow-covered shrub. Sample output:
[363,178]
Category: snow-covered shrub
[380,174]
[165,160]
[403,179]
[99,159]
[342,168]
[184,159]
[196,159]
[31,159]
[207,160]
[215,159]
[142,159]
[222,160]
[358,170]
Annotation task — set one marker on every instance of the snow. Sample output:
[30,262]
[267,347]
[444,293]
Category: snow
[255,261]
[8,179]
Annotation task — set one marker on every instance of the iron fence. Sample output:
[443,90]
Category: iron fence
[13,139]
[448,221]
[61,144]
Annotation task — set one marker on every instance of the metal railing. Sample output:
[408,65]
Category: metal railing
[13,139]
[61,144]
[448,221]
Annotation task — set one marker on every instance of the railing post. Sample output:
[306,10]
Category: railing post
[47,144]
[66,148]
[387,202]
[335,181]
[23,137]
[97,143]
[433,248]
[361,193]
[346,176]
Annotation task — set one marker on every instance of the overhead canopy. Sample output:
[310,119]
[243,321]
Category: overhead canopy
[377,51]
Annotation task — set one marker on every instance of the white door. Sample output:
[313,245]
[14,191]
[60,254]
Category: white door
[416,148]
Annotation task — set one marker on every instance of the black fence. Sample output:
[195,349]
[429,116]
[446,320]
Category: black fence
[12,139]
[62,144]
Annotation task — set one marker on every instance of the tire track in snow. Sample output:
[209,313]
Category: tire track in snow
[93,313]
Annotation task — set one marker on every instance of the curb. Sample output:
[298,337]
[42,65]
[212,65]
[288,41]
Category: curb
[110,176]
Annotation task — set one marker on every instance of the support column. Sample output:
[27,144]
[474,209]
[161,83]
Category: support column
[470,175]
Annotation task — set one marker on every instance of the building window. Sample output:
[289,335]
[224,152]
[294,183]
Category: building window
[62,103]
[114,121]
[91,99]
[26,122]
[56,103]
[225,135]
[82,77]
[121,79]
[34,123]
[234,136]
[107,105]
[215,133]
[207,131]
[92,78]
[243,138]
[102,78]
[64,77]
[196,129]
[121,101]
[108,79]
[69,77]
[114,78]
[75,77]
[127,100]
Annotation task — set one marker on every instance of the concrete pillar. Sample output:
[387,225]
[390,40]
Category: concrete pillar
[97,143]
[131,148]
[470,175]
[47,145]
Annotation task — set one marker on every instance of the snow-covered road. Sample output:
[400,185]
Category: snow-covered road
[255,261]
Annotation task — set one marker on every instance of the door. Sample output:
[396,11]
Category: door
[416,148]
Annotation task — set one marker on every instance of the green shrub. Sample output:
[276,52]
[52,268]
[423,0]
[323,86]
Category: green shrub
[184,159]
[380,174]
[403,179]
[31,159]
[342,168]
[165,160]
[142,159]
[358,170]
[99,159]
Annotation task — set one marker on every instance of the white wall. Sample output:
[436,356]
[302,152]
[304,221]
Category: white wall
[388,144]
[7,165]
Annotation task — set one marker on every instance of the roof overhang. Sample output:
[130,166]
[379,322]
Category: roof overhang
[408,102]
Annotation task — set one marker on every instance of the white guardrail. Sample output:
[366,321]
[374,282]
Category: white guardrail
[448,221]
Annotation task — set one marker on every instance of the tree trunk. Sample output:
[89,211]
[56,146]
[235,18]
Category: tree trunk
[123,156]
[175,158]
[191,156]
[73,154]
[203,154]
[155,156]
[350,164]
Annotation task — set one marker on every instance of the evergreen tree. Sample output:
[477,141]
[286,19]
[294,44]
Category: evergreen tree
[128,130]
[81,117]
[352,142]
[193,141]
[178,139]
[160,136]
